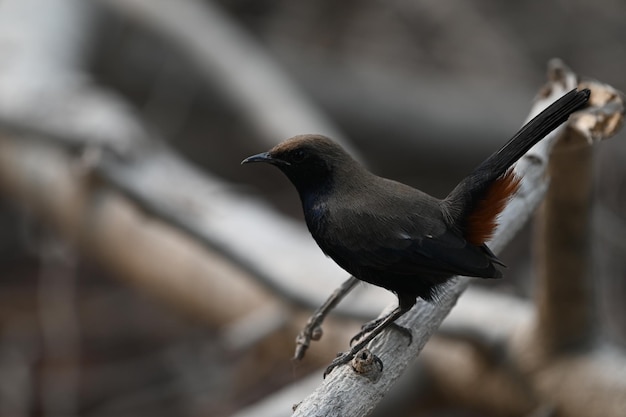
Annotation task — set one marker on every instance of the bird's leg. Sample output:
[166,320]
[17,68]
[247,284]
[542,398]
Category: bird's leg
[371,325]
[385,322]
[313,328]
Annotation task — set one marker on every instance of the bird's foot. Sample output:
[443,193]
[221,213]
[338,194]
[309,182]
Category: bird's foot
[341,359]
[367,334]
[345,357]
[371,325]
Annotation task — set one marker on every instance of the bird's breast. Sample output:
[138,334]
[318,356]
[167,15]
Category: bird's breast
[316,214]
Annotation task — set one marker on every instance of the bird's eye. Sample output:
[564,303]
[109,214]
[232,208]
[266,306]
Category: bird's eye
[298,155]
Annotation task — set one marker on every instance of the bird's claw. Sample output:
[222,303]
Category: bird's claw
[341,359]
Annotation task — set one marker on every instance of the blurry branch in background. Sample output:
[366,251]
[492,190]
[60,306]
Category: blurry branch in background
[408,107]
[60,386]
[18,356]
[44,90]
[53,101]
[221,50]
[562,241]
[93,173]
[261,90]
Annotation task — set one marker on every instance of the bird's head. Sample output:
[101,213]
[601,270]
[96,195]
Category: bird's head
[311,162]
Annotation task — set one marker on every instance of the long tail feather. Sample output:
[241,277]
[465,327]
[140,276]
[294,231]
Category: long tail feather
[476,202]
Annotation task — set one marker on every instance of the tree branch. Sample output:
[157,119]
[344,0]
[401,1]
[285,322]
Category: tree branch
[564,290]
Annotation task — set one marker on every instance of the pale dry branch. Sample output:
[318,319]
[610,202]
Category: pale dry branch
[564,289]
[111,228]
[313,328]
[455,359]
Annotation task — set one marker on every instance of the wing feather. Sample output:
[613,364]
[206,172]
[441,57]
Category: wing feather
[405,247]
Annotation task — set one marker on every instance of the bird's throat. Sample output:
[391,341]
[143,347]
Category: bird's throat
[315,208]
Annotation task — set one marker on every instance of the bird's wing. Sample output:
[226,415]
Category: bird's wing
[407,247]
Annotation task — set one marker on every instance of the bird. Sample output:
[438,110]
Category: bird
[394,236]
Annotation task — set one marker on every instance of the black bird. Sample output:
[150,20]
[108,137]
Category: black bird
[395,236]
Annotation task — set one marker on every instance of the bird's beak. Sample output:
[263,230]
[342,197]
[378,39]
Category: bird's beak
[260,157]
[264,157]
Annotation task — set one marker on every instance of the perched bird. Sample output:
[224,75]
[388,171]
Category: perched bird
[397,237]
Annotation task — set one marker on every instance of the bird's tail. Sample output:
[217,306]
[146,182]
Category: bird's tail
[476,202]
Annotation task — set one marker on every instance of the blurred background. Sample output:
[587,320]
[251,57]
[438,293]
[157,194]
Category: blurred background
[421,91]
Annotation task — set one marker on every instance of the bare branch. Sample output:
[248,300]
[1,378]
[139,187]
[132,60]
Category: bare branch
[313,328]
[564,291]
